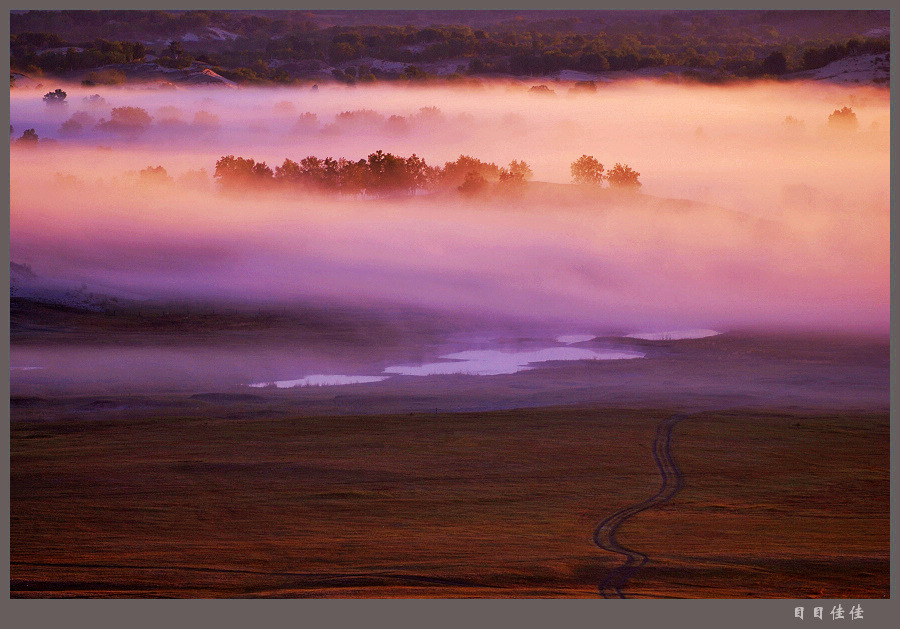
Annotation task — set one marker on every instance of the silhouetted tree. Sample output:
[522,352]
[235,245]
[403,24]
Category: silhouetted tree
[621,176]
[331,173]
[454,173]
[235,173]
[56,97]
[843,119]
[175,49]
[541,90]
[387,173]
[289,173]
[419,174]
[396,125]
[312,172]
[353,177]
[156,175]
[428,115]
[76,123]
[586,169]
[29,138]
[126,120]
[170,116]
[517,173]
[306,122]
[359,119]
[473,184]
[94,100]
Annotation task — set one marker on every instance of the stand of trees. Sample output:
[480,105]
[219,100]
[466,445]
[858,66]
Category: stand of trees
[384,174]
[843,119]
[29,138]
[380,174]
[587,170]
[48,52]
[126,121]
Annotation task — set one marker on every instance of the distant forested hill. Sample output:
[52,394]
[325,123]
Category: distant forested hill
[353,46]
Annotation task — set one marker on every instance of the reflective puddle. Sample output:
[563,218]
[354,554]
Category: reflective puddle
[675,335]
[493,362]
[319,380]
[570,339]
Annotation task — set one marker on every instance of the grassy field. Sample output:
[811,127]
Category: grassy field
[168,501]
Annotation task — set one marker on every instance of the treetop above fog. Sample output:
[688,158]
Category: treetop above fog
[383,173]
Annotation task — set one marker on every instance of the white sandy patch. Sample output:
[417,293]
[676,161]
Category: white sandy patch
[861,69]
[574,75]
[221,34]
[389,66]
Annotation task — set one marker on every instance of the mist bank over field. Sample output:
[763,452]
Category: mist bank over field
[781,224]
[714,144]
[628,261]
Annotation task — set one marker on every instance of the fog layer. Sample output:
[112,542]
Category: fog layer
[782,223]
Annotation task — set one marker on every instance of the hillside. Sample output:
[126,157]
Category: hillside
[364,46]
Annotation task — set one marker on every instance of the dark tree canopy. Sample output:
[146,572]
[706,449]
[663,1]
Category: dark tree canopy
[473,184]
[622,176]
[739,45]
[454,173]
[586,169]
[236,173]
[384,174]
[56,97]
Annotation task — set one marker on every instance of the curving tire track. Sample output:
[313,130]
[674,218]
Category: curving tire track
[605,533]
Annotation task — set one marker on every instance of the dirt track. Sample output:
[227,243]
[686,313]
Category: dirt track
[605,533]
[246,500]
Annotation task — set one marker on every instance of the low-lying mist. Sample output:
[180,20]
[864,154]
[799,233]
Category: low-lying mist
[780,223]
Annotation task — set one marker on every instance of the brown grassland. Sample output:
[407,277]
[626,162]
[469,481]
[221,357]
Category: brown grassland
[238,501]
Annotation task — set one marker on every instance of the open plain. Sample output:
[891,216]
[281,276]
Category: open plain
[291,493]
